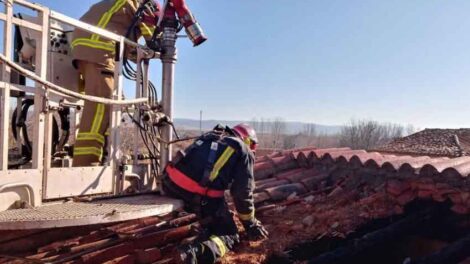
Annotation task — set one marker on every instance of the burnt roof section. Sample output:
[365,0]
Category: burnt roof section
[432,142]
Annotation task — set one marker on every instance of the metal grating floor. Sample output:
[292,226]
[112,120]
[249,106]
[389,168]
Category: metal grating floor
[81,213]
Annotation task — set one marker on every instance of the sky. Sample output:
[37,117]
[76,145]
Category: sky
[323,61]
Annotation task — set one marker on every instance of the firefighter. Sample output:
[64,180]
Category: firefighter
[218,160]
[94,58]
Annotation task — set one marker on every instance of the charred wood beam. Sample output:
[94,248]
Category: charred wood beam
[373,239]
[455,253]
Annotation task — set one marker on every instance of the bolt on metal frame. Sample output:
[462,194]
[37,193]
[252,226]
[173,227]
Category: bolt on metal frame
[41,181]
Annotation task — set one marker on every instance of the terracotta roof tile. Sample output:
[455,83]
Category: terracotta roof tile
[433,142]
[340,189]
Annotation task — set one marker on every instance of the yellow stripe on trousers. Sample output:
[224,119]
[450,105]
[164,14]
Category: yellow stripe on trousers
[228,152]
[98,119]
[90,136]
[82,151]
[247,217]
[220,244]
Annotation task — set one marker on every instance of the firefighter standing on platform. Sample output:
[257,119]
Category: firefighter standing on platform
[218,160]
[94,58]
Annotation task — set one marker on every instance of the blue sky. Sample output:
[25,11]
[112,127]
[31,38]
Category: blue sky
[324,61]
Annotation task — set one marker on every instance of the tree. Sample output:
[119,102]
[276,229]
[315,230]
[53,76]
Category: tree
[255,123]
[278,129]
[310,130]
[262,127]
[410,129]
[366,134]
[290,141]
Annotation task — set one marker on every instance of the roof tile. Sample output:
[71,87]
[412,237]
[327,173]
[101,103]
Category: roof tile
[339,187]
[434,142]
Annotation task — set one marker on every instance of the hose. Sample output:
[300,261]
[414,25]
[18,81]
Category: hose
[26,145]
[61,90]
[27,149]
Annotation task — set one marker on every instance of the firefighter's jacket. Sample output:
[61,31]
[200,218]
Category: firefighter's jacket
[115,16]
[232,169]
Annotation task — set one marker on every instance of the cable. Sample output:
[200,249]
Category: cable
[143,133]
[27,149]
[130,73]
[64,115]
[64,91]
[149,143]
[174,130]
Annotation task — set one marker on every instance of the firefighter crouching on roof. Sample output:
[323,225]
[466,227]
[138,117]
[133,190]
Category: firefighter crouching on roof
[216,161]
[94,58]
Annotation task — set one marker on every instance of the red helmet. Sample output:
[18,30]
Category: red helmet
[247,134]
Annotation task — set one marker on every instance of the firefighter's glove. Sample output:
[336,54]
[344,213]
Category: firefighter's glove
[187,254]
[256,231]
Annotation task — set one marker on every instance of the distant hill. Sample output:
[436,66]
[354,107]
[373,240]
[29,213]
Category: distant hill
[291,127]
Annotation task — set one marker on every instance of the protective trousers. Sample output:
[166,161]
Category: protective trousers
[220,233]
[98,81]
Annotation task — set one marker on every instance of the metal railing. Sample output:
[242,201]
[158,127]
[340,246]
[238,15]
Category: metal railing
[43,90]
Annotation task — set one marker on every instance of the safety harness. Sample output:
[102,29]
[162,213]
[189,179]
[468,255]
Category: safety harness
[211,169]
[190,185]
[210,164]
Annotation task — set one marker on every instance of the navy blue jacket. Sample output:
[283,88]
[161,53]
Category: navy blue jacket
[236,172]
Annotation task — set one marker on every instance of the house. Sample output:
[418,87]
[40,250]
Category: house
[450,143]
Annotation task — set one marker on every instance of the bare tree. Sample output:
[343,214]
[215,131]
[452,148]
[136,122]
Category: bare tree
[290,141]
[265,126]
[262,127]
[310,130]
[324,140]
[349,135]
[410,129]
[278,129]
[366,134]
[255,123]
[273,134]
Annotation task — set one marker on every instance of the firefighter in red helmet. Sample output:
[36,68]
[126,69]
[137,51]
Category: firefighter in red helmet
[218,160]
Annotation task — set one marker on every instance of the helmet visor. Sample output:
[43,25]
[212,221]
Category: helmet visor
[251,144]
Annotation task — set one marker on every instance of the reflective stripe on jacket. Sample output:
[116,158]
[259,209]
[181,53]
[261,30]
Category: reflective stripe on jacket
[190,185]
[115,16]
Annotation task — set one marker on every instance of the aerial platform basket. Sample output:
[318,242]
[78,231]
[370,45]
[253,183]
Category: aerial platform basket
[34,73]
